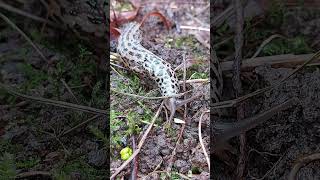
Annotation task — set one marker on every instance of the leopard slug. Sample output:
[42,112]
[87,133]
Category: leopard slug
[143,61]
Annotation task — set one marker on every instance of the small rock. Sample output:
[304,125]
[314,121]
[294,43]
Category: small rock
[161,140]
[182,165]
[165,151]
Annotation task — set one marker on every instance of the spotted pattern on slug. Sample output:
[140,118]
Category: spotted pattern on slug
[143,61]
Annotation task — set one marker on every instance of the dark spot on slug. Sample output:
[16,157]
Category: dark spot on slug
[125,49]
[138,55]
[129,44]
[131,53]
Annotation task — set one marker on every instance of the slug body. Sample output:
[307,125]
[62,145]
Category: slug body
[143,61]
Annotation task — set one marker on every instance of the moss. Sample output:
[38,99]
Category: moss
[296,45]
[7,166]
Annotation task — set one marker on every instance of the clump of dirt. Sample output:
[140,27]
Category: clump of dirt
[295,132]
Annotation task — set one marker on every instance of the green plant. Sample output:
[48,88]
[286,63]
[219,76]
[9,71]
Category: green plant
[130,85]
[133,123]
[276,13]
[64,170]
[84,52]
[7,166]
[98,96]
[99,135]
[35,77]
[296,45]
[199,75]
[185,41]
[7,146]
[61,176]
[29,163]
[115,125]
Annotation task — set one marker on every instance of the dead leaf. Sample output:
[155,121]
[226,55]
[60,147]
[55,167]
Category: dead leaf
[166,22]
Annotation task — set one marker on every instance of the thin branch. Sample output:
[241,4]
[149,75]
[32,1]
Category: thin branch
[284,60]
[5,18]
[26,14]
[248,123]
[69,90]
[33,173]
[265,42]
[237,85]
[231,103]
[56,103]
[201,141]
[135,153]
[195,28]
[79,125]
[302,162]
[222,17]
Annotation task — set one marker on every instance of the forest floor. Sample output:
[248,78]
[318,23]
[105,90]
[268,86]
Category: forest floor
[45,139]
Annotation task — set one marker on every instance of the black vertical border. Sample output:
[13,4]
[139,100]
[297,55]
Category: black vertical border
[212,29]
[106,61]
[211,99]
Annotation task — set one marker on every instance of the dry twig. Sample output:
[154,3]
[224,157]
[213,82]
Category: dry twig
[249,123]
[78,125]
[238,41]
[56,103]
[284,60]
[302,162]
[26,14]
[32,173]
[195,28]
[5,18]
[201,141]
[135,153]
[265,42]
[231,103]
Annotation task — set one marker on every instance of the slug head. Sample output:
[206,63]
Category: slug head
[172,107]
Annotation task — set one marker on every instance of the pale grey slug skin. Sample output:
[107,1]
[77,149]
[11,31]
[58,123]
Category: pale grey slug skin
[142,60]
